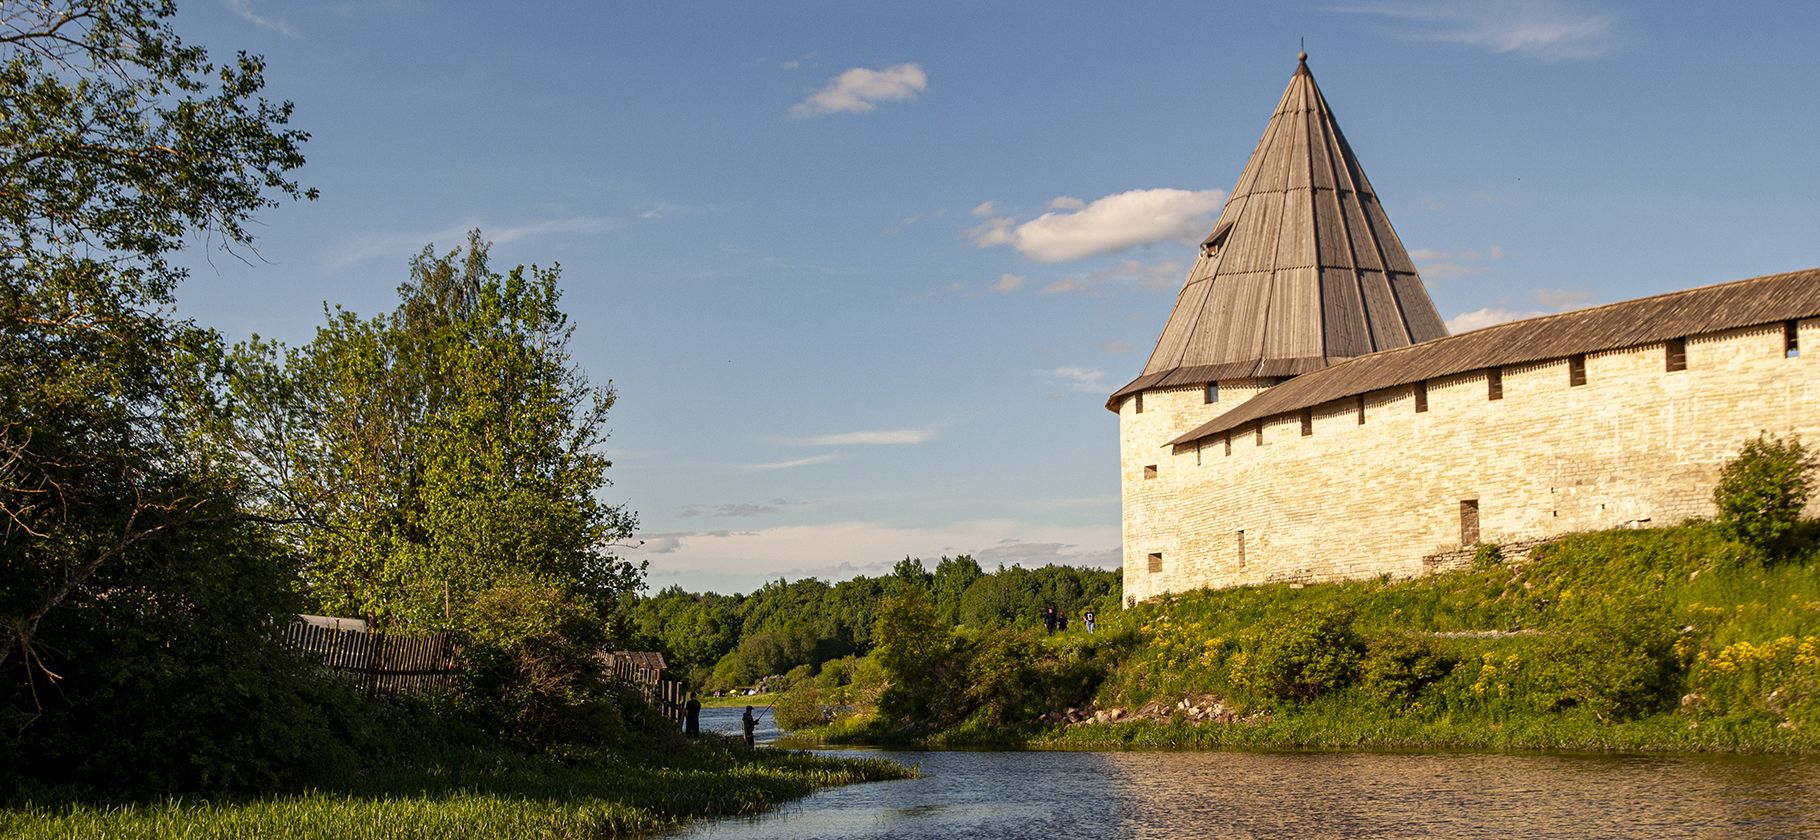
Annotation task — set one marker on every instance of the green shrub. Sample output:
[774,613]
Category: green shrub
[1316,652]
[1397,668]
[1487,556]
[1762,491]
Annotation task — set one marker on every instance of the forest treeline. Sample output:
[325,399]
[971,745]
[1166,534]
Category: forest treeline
[727,641]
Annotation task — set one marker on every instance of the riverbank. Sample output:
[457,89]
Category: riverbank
[483,795]
[1662,641]
[756,700]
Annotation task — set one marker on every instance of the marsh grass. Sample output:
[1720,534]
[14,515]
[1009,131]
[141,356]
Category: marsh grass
[562,794]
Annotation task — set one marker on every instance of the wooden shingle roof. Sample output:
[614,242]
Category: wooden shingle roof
[1301,270]
[1707,309]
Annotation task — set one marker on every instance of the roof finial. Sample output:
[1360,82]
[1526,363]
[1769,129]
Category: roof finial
[1303,55]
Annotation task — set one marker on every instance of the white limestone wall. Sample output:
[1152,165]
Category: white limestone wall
[1636,445]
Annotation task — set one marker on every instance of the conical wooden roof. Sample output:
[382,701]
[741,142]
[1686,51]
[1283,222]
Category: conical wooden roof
[1302,269]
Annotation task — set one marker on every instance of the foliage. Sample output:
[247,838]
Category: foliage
[1487,555]
[1398,668]
[1762,491]
[440,452]
[530,657]
[1316,652]
[1778,679]
[910,639]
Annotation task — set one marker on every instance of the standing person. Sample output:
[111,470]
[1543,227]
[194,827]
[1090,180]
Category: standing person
[692,716]
[1087,619]
[749,725]
[1049,621]
[1061,622]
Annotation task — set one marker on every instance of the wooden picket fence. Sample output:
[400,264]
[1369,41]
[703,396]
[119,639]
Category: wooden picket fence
[383,663]
[642,673]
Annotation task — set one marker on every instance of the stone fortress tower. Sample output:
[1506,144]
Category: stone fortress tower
[1306,417]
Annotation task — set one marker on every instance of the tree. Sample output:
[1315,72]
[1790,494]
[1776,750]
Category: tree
[442,451]
[118,144]
[1762,492]
[908,638]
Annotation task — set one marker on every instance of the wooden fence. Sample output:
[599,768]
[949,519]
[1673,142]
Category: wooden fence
[384,664]
[643,674]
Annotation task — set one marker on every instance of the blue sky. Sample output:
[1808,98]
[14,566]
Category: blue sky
[863,273]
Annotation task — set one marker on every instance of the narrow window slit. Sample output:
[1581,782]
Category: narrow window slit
[1494,384]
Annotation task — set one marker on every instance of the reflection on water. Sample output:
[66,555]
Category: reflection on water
[1057,795]
[726,722]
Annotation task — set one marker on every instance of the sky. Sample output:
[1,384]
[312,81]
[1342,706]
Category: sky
[862,274]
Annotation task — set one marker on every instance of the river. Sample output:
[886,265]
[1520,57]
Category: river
[1053,795]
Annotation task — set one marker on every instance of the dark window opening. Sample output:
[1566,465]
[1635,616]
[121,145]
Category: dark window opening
[1791,347]
[1156,562]
[1421,396]
[1260,434]
[1140,404]
[1469,522]
[1197,451]
[1229,443]
[1361,409]
[1149,472]
[1494,384]
[1576,370]
[1677,354]
[1307,422]
[1213,393]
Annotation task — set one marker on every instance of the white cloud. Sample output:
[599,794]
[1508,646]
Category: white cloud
[857,90]
[1113,223]
[1442,270]
[1562,300]
[366,248]
[784,465]
[879,436]
[244,8]
[1544,29]
[1066,203]
[1080,378]
[1130,275]
[745,510]
[845,549]
[1479,319]
[1113,348]
[1008,283]
[985,209]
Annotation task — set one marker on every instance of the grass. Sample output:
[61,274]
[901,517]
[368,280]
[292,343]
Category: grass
[573,794]
[1662,640]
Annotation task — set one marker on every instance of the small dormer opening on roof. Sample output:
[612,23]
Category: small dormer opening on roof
[1212,244]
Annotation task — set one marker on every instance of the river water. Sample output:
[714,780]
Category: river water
[1045,795]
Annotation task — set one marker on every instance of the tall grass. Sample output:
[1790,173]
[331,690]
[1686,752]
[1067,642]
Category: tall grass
[476,794]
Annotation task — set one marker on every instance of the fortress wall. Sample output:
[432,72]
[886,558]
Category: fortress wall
[1635,446]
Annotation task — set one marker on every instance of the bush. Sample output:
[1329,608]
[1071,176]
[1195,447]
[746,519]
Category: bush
[1397,668]
[1487,556]
[1316,652]
[1762,491]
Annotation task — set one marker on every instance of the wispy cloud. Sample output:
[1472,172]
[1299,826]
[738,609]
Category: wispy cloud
[784,465]
[244,8]
[847,548]
[1441,265]
[1079,378]
[1544,29]
[1008,283]
[369,247]
[1556,300]
[1113,348]
[859,90]
[878,436]
[1113,223]
[1129,276]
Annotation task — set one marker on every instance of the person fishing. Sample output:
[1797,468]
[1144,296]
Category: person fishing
[749,726]
[692,716]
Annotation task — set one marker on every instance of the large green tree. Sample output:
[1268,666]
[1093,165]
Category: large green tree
[119,144]
[442,451]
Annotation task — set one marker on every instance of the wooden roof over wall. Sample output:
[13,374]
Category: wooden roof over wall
[1301,270]
[1707,309]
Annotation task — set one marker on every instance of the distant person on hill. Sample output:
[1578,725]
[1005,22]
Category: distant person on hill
[1087,619]
[1061,622]
[1049,620]
[692,716]
[749,725]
